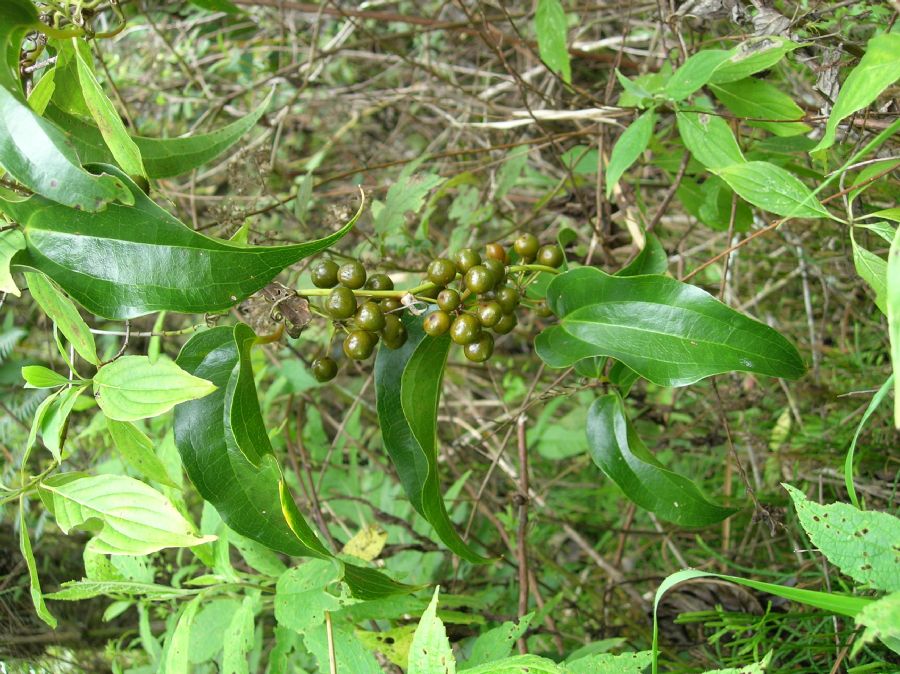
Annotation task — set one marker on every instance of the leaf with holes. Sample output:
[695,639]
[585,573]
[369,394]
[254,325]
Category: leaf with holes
[430,652]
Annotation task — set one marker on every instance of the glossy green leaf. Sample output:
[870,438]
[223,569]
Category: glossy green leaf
[11,242]
[878,68]
[55,420]
[882,621]
[710,202]
[38,376]
[430,652]
[873,270]
[131,261]
[772,189]
[34,583]
[131,387]
[757,98]
[893,316]
[628,148]
[609,663]
[709,139]
[32,150]
[161,157]
[408,388]
[552,29]
[135,519]
[754,55]
[668,332]
[651,260]
[64,313]
[694,73]
[618,451]
[136,450]
[105,115]
[863,544]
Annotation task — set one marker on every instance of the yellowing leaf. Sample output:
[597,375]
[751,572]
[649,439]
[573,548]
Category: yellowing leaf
[367,544]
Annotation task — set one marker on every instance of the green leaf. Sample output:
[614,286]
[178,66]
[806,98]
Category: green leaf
[882,621]
[11,242]
[32,150]
[752,56]
[406,195]
[162,157]
[134,518]
[407,390]
[430,652]
[238,640]
[208,629]
[608,663]
[618,451]
[864,545]
[123,149]
[551,28]
[54,421]
[134,260]
[651,260]
[709,139]
[848,461]
[350,655]
[38,376]
[218,6]
[893,316]
[694,73]
[137,451]
[878,68]
[710,202]
[628,148]
[131,387]
[34,583]
[63,312]
[302,596]
[496,643]
[873,271]
[668,332]
[177,649]
[77,590]
[519,664]
[772,189]
[755,668]
[757,98]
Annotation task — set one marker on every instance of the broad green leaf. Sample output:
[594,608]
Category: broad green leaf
[54,422]
[137,451]
[162,157]
[177,649]
[239,640]
[551,28]
[496,643]
[752,56]
[618,451]
[863,544]
[873,271]
[39,97]
[394,643]
[710,202]
[105,115]
[668,332]
[34,583]
[757,98]
[76,590]
[694,73]
[11,242]
[608,663]
[430,652]
[709,139]
[893,316]
[63,312]
[349,653]
[134,518]
[628,148]
[131,387]
[518,664]
[651,260]
[882,621]
[32,150]
[406,195]
[407,389]
[878,69]
[208,629]
[772,189]
[302,596]
[38,376]
[848,461]
[131,261]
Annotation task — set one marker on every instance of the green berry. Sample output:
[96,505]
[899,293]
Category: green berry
[480,279]
[341,303]
[496,251]
[360,344]
[496,268]
[380,282]
[352,275]
[466,259]
[489,313]
[436,323]
[448,299]
[390,304]
[507,298]
[541,309]
[465,329]
[370,317]
[324,369]
[481,349]
[399,340]
[325,274]
[550,256]
[393,326]
[526,246]
[441,271]
[506,324]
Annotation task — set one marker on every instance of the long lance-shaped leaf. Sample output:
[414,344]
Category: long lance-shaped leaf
[227,455]
[622,456]
[669,332]
[32,150]
[408,390]
[130,261]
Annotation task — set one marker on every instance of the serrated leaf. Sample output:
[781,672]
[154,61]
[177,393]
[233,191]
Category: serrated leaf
[133,260]
[131,387]
[619,452]
[772,189]
[137,451]
[668,332]
[694,73]
[751,97]
[551,29]
[709,139]
[11,242]
[752,56]
[302,597]
[135,519]
[34,583]
[863,544]
[519,664]
[496,643]
[628,148]
[407,390]
[38,376]
[430,652]
[878,68]
[609,663]
[63,312]
[407,195]
[882,621]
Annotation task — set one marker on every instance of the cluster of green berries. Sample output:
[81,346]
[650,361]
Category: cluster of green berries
[483,301]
